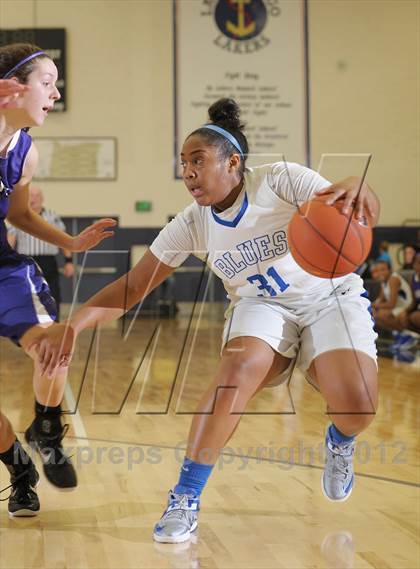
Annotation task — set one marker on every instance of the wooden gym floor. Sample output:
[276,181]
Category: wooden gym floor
[263,506]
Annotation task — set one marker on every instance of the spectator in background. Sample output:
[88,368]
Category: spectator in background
[389,309]
[383,253]
[410,316]
[365,270]
[409,252]
[44,253]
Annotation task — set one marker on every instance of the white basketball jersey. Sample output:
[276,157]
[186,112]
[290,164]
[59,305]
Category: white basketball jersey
[405,294]
[246,245]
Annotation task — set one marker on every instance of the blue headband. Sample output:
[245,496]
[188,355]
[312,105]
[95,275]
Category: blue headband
[226,134]
[16,67]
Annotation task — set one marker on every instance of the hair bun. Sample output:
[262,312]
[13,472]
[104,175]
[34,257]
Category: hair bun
[226,113]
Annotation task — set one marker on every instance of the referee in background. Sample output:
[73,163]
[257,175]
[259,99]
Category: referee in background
[44,254]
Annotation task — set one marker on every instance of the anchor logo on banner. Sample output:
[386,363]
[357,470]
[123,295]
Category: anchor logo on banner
[241,23]
[241,19]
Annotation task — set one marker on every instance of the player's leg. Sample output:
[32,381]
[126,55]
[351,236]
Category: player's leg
[17,313]
[339,354]
[30,308]
[259,341]
[46,432]
[348,382]
[245,365]
[23,500]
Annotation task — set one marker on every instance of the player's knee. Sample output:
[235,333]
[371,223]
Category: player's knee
[234,389]
[356,399]
[361,421]
[362,407]
[242,374]
[358,423]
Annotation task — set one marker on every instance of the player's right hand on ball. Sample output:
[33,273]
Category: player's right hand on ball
[54,347]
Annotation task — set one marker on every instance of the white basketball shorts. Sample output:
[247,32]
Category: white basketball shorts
[341,319]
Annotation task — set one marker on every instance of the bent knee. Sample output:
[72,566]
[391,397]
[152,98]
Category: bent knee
[356,422]
[357,409]
[235,387]
[242,372]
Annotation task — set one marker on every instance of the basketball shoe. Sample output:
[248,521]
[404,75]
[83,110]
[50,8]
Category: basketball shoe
[338,475]
[23,500]
[403,341]
[179,519]
[58,467]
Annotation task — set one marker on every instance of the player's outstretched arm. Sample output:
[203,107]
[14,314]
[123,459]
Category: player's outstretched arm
[22,216]
[55,344]
[355,194]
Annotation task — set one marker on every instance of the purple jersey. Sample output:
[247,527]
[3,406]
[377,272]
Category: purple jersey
[10,173]
[25,299]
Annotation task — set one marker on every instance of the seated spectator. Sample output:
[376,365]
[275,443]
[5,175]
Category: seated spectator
[409,252]
[410,316]
[390,306]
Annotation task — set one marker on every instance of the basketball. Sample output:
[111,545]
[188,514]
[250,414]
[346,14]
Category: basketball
[327,243]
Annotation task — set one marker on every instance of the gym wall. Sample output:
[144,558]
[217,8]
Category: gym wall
[363,98]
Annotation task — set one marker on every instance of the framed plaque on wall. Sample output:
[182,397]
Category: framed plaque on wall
[254,51]
[76,159]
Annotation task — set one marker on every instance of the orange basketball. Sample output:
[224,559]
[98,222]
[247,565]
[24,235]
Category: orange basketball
[326,242]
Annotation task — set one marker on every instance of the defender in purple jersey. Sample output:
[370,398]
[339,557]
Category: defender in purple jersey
[27,93]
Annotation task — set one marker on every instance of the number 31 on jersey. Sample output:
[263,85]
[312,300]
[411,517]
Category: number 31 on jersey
[264,284]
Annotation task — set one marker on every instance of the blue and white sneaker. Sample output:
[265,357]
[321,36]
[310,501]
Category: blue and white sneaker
[338,476]
[179,519]
[403,342]
[405,356]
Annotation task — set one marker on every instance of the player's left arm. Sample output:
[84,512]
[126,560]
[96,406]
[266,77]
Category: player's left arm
[357,194]
[22,216]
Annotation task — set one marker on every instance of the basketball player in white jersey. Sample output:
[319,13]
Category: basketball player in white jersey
[278,312]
